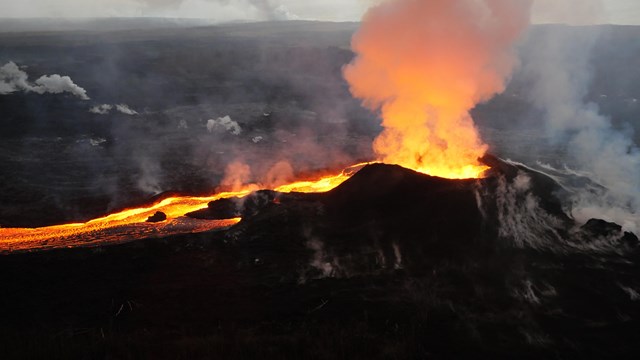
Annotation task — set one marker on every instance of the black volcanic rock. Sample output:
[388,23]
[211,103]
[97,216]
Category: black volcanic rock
[219,209]
[407,208]
[245,207]
[157,217]
[383,216]
[546,190]
[630,239]
[597,228]
[388,214]
[255,202]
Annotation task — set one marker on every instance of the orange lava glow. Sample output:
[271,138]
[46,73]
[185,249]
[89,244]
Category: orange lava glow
[423,65]
[323,184]
[131,224]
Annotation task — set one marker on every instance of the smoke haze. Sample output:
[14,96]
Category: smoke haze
[560,72]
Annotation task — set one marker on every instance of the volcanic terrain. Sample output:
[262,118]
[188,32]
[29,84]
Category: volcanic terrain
[390,264]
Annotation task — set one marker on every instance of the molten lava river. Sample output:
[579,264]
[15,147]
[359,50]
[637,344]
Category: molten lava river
[132,224]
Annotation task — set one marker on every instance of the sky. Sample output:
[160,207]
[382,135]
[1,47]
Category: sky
[545,11]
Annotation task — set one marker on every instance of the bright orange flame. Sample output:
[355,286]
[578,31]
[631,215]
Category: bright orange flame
[424,65]
[447,147]
[131,224]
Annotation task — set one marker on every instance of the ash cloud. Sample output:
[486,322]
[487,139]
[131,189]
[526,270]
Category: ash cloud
[13,79]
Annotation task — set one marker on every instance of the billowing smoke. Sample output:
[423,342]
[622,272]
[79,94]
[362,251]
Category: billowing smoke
[425,65]
[57,84]
[13,79]
[520,216]
[150,173]
[105,109]
[559,70]
[125,109]
[237,175]
[224,123]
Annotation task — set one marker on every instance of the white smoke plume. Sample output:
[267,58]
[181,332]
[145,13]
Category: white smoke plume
[57,84]
[520,216]
[320,260]
[559,71]
[13,79]
[148,180]
[105,109]
[237,175]
[225,123]
[125,109]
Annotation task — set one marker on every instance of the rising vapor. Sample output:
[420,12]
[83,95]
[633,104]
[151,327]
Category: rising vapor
[105,109]
[125,109]
[13,79]
[560,74]
[225,123]
[424,65]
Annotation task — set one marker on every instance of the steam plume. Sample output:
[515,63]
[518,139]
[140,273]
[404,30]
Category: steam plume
[13,79]
[424,65]
[125,109]
[225,123]
[105,109]
[559,72]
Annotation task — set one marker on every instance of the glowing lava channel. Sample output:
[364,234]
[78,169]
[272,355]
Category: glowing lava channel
[131,224]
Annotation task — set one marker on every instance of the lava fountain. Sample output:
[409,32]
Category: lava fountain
[424,64]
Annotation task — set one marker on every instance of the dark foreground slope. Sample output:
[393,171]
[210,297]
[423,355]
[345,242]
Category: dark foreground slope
[392,264]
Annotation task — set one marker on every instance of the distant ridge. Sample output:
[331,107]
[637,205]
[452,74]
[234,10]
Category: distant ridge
[18,25]
[13,25]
